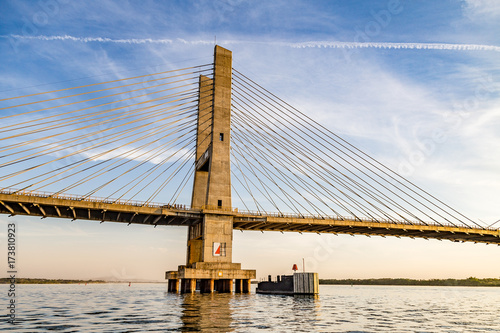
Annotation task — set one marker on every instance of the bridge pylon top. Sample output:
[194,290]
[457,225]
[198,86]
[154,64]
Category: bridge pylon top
[212,180]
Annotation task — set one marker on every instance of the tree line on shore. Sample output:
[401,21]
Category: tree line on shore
[469,282]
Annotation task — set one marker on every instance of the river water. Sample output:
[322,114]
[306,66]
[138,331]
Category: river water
[149,308]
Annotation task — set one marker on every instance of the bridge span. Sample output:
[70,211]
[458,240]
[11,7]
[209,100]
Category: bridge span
[45,204]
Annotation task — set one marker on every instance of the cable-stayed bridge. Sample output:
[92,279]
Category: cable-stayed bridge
[218,152]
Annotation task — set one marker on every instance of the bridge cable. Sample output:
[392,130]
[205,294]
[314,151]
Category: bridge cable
[365,157]
[113,81]
[76,138]
[248,114]
[87,148]
[285,147]
[414,198]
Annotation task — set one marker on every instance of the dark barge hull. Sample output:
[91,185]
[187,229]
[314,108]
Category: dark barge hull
[296,284]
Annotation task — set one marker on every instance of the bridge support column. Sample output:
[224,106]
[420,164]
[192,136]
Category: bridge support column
[173,285]
[238,285]
[188,285]
[207,285]
[224,285]
[246,285]
[242,285]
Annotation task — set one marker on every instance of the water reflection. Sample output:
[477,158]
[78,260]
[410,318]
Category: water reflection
[223,312]
[206,312]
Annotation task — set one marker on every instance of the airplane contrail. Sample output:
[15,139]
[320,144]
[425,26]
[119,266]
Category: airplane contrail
[307,44]
[388,45]
[95,39]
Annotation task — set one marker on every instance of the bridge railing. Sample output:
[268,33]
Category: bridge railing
[65,196]
[352,218]
[325,217]
[219,208]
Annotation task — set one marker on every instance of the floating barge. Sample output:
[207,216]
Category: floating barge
[296,284]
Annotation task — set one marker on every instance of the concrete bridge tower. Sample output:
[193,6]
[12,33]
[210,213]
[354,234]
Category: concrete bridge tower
[209,245]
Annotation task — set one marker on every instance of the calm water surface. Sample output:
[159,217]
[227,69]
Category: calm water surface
[148,308]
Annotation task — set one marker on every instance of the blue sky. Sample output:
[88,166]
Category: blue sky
[386,75]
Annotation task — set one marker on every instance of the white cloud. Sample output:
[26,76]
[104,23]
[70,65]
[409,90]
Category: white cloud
[480,9]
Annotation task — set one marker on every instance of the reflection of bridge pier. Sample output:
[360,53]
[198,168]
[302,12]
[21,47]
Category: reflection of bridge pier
[207,313]
[209,245]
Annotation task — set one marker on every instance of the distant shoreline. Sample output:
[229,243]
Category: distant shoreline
[68,281]
[48,281]
[469,282]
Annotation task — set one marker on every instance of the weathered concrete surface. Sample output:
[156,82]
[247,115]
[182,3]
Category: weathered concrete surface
[203,142]
[219,190]
[209,245]
[216,274]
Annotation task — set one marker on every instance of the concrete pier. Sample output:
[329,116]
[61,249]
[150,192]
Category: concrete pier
[209,285]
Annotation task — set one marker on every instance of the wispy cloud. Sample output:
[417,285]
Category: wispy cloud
[94,39]
[308,44]
[482,8]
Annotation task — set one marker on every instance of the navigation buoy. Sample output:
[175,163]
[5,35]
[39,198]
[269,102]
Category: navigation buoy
[129,284]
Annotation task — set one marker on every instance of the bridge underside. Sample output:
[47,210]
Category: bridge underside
[367,228]
[76,208]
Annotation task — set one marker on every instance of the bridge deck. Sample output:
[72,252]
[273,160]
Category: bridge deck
[368,228]
[74,207]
